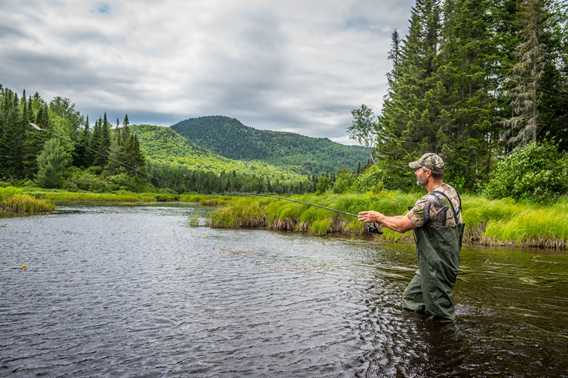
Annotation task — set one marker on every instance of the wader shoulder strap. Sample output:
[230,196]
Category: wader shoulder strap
[456,213]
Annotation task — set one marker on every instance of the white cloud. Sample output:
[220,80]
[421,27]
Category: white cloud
[291,65]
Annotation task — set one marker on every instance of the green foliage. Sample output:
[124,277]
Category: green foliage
[370,180]
[178,164]
[487,221]
[323,183]
[343,181]
[534,172]
[86,180]
[53,162]
[455,78]
[364,128]
[230,138]
[24,204]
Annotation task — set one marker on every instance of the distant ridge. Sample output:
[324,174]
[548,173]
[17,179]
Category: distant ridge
[164,145]
[230,138]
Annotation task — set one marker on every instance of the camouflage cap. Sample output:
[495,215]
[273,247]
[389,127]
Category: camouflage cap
[430,161]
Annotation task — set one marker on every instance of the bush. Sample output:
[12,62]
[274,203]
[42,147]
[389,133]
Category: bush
[122,181]
[53,164]
[370,180]
[534,172]
[86,180]
[343,181]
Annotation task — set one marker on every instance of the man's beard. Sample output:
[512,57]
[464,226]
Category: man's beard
[419,182]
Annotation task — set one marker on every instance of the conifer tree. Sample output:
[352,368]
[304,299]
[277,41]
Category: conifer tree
[463,92]
[523,126]
[82,156]
[407,121]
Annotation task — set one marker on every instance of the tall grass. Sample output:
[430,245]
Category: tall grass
[489,222]
[24,204]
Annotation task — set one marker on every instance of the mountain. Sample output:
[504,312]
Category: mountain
[230,138]
[165,146]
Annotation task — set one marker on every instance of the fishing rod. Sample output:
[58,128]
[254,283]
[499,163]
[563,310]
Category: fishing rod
[371,228]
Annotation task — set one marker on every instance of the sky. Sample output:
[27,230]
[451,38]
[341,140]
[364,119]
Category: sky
[297,66]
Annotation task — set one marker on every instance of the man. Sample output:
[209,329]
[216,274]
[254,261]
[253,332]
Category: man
[438,227]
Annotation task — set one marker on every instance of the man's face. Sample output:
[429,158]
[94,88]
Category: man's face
[422,176]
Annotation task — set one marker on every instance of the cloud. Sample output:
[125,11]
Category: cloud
[292,66]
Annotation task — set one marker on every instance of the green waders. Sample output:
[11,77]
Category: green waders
[438,249]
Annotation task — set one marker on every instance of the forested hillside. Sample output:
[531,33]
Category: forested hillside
[230,138]
[182,166]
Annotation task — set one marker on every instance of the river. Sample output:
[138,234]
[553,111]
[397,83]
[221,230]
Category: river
[135,291]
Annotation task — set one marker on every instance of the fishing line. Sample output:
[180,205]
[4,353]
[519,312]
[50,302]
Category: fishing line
[370,227]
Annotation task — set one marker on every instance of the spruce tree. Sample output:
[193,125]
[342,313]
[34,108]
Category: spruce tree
[407,121]
[463,92]
[523,126]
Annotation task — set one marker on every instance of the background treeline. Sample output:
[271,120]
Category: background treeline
[181,179]
[52,142]
[52,145]
[477,81]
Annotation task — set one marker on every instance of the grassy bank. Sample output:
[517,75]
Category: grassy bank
[488,222]
[14,203]
[17,201]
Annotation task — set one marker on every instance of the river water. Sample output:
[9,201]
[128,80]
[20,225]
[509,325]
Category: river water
[137,292]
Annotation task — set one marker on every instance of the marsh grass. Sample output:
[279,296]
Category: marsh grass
[24,204]
[488,222]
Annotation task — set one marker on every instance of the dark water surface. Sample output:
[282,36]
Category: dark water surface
[136,292]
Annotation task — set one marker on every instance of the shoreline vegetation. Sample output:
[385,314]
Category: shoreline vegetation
[501,222]
[18,201]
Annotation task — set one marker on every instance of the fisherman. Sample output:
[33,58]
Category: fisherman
[438,228]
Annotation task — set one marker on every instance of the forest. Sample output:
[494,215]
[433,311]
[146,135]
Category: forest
[485,85]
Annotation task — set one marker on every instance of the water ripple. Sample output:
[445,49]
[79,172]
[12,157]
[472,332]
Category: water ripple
[134,291]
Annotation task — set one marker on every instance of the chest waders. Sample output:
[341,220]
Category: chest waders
[438,252]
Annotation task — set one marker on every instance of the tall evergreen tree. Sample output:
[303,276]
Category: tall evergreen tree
[523,126]
[464,91]
[83,156]
[408,119]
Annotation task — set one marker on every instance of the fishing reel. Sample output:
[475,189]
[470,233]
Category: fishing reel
[373,228]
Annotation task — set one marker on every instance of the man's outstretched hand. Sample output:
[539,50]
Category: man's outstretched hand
[370,216]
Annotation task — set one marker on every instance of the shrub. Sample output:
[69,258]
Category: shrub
[343,181]
[534,172]
[370,180]
[85,180]
[53,164]
[122,181]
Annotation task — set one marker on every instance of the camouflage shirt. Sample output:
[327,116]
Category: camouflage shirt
[435,208]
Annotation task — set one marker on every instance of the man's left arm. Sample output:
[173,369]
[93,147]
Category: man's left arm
[401,223]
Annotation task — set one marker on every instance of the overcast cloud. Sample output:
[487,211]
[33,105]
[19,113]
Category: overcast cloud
[297,66]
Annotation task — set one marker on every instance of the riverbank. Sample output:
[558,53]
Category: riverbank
[21,201]
[488,222]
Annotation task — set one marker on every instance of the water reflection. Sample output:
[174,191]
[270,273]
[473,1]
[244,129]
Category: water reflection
[131,291]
